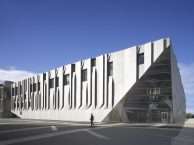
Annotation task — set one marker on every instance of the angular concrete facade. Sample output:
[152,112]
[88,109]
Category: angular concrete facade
[5,99]
[137,84]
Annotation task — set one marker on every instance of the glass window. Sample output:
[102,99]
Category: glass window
[73,68]
[38,86]
[44,76]
[16,90]
[30,87]
[140,58]
[93,62]
[57,81]
[66,79]
[34,87]
[13,91]
[84,75]
[51,83]
[110,68]
[20,89]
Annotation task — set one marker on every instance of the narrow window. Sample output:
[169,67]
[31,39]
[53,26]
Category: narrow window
[1,94]
[44,76]
[13,91]
[93,62]
[110,68]
[34,87]
[73,68]
[57,81]
[140,58]
[38,86]
[16,90]
[66,79]
[84,75]
[20,89]
[30,87]
[51,83]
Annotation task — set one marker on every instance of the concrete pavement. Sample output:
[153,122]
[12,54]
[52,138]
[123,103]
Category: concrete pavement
[185,137]
[27,132]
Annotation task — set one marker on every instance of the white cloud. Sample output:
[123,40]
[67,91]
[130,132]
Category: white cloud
[187,75]
[13,74]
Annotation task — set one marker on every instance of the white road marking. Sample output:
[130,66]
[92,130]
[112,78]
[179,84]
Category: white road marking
[97,135]
[54,128]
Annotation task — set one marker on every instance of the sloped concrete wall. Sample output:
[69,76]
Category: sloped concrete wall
[178,95]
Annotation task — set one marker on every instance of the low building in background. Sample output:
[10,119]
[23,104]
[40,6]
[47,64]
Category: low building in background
[5,99]
[137,84]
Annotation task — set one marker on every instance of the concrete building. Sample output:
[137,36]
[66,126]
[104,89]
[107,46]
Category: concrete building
[5,99]
[137,84]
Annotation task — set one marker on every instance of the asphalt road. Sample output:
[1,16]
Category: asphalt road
[32,132]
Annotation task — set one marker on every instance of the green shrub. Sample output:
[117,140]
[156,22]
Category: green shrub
[189,115]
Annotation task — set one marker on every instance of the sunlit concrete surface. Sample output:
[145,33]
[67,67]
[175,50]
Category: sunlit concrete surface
[137,84]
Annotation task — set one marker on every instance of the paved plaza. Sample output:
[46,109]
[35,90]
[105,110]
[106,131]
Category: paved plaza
[39,132]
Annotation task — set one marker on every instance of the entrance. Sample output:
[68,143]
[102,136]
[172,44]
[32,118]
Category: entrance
[164,117]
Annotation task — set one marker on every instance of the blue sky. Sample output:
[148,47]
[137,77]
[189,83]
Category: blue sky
[39,35]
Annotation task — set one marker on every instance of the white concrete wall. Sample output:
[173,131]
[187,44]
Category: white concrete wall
[98,95]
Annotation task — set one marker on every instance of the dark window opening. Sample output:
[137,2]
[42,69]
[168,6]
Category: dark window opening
[84,75]
[38,86]
[16,90]
[51,83]
[66,79]
[110,68]
[73,68]
[93,62]
[20,89]
[30,87]
[44,76]
[13,91]
[140,58]
[34,87]
[57,81]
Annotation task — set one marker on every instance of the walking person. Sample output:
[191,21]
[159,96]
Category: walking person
[91,120]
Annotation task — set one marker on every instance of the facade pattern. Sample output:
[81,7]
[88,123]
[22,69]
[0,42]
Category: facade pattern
[132,85]
[5,99]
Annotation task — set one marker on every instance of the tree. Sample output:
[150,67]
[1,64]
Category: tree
[189,115]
